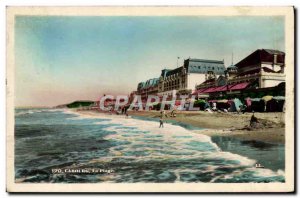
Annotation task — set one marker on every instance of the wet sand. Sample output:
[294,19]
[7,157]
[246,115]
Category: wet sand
[230,124]
[224,124]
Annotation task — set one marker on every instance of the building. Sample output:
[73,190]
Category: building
[264,65]
[149,87]
[263,68]
[184,79]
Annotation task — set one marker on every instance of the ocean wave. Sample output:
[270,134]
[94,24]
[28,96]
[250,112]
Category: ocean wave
[172,153]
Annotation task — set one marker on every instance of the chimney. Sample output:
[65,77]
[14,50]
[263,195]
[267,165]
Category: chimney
[274,61]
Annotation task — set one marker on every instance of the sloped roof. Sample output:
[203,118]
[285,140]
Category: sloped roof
[262,56]
[202,66]
[255,71]
[173,71]
[151,82]
[271,51]
[232,67]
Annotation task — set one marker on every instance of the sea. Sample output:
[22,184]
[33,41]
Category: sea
[63,146]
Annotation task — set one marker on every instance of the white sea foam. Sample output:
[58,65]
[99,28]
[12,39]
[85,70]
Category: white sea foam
[169,136]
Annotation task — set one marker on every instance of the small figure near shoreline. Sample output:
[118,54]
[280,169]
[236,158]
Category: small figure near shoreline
[253,121]
[161,123]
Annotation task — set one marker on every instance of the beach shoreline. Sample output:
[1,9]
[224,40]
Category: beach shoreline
[220,124]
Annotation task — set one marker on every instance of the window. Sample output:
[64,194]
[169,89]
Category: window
[199,67]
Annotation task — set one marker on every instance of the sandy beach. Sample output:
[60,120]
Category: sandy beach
[223,124]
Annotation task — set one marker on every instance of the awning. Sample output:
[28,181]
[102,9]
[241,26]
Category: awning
[239,86]
[233,87]
[223,88]
[209,90]
[198,91]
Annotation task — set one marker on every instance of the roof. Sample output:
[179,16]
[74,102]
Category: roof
[271,51]
[149,83]
[232,67]
[262,56]
[164,72]
[174,71]
[204,60]
[203,66]
[255,71]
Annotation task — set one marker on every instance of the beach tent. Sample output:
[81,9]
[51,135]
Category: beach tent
[201,103]
[223,104]
[257,105]
[237,103]
[234,105]
[272,106]
[248,102]
[275,104]
[266,99]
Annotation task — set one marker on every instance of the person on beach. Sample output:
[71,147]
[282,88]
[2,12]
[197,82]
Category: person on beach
[253,121]
[161,123]
[163,114]
[173,113]
[126,108]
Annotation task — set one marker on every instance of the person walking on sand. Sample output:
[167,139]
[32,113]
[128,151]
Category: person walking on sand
[253,121]
[161,123]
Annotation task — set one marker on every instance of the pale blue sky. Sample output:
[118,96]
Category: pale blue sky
[62,59]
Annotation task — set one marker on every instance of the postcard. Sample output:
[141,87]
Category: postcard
[150,99]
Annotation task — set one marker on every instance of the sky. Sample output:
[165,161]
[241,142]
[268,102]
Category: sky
[60,59]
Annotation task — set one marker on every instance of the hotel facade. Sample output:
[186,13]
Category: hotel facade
[182,80]
[264,68]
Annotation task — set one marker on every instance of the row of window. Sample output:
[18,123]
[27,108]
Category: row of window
[166,84]
[209,67]
[173,87]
